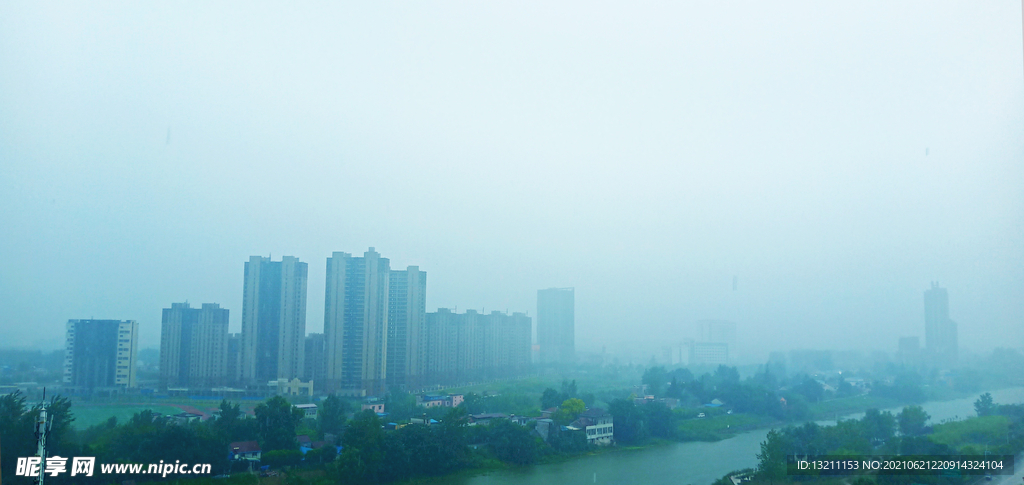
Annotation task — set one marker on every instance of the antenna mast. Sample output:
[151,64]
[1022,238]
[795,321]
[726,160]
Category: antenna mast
[42,432]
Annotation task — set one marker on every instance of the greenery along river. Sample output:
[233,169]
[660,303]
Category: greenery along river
[693,463]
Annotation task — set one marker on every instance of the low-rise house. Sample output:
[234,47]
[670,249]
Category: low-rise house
[308,410]
[294,387]
[434,400]
[669,402]
[377,407]
[544,427]
[184,418]
[521,420]
[598,425]
[245,451]
[485,418]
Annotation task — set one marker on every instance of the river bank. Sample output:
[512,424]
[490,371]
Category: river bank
[696,462]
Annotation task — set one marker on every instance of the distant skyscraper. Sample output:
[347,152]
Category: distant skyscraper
[193,345]
[407,310]
[470,346]
[101,353]
[234,372]
[909,350]
[717,331]
[556,325]
[355,322]
[315,363]
[273,320]
[940,332]
[709,353]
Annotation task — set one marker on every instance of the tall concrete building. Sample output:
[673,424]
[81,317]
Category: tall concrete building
[234,372]
[355,322]
[407,310]
[940,332]
[194,346]
[316,365]
[471,346]
[556,325]
[101,354]
[273,320]
[717,331]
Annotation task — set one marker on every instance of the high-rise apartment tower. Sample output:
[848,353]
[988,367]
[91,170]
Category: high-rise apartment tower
[194,346]
[273,320]
[556,325]
[940,332]
[101,354]
[356,321]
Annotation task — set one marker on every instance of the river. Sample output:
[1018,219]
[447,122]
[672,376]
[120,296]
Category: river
[695,463]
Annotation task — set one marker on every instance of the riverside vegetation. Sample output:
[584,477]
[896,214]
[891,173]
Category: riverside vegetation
[372,454]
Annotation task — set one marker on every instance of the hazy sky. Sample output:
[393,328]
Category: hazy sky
[835,157]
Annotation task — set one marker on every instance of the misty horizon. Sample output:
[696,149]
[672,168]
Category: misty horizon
[832,160]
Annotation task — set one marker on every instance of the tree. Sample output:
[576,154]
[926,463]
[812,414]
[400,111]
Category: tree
[879,426]
[280,458]
[655,378]
[772,458]
[659,419]
[727,375]
[228,424]
[276,421]
[568,389]
[362,454]
[912,421]
[810,389]
[512,443]
[984,406]
[675,389]
[629,421]
[330,417]
[15,431]
[570,410]
[550,399]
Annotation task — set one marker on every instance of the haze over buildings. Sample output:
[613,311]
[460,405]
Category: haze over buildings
[940,331]
[831,158]
[556,325]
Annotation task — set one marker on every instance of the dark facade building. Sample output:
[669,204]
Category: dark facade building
[101,354]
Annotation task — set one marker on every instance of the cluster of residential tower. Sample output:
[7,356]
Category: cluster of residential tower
[377,335]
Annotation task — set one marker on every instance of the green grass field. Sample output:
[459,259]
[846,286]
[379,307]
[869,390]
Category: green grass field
[718,427]
[88,415]
[850,405]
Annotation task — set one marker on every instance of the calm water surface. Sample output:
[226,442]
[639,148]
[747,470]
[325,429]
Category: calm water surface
[688,463]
